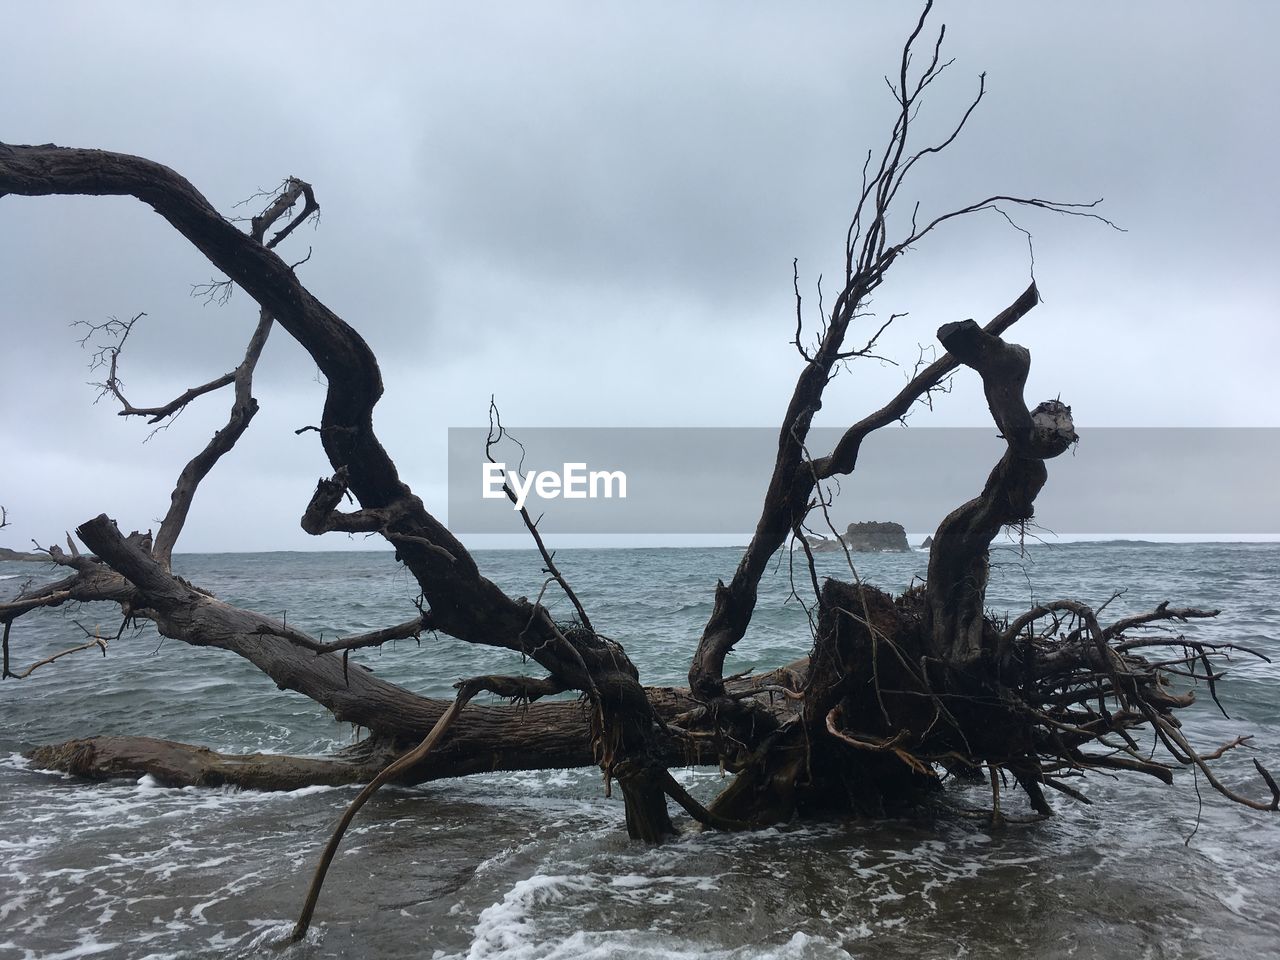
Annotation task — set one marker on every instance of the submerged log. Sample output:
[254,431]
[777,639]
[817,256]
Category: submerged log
[490,738]
[174,764]
[896,690]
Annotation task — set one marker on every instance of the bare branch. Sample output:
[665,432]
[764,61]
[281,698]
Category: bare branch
[98,642]
[243,408]
[375,638]
[868,256]
[959,559]
[284,202]
[795,283]
[1162,612]
[214,292]
[156,414]
[496,434]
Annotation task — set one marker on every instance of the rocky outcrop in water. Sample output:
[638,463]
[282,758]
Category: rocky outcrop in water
[867,537]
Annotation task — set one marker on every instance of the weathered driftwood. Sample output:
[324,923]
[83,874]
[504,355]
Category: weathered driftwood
[896,692]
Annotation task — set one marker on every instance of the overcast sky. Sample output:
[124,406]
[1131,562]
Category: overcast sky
[591,209]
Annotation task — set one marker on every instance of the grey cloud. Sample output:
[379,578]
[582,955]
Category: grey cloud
[591,210]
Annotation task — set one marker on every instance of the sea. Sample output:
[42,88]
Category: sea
[538,865]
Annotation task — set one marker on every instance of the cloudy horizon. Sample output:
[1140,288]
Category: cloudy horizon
[591,211]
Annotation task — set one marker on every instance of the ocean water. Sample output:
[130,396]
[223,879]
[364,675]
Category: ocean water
[537,865]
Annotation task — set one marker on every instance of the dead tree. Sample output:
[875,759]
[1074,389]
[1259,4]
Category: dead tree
[895,690]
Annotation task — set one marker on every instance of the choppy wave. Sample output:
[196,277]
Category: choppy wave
[535,865]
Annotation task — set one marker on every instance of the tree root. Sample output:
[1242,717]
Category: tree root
[1035,705]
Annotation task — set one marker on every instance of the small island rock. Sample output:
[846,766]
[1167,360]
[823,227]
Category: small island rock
[866,537]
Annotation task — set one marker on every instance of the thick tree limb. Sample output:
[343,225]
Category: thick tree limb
[243,406]
[869,254]
[463,603]
[180,765]
[788,497]
[539,736]
[958,561]
[844,458]
[896,685]
[531,736]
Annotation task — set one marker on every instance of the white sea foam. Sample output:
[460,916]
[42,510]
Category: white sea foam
[308,791]
[510,929]
[535,865]
[86,947]
[15,761]
[644,945]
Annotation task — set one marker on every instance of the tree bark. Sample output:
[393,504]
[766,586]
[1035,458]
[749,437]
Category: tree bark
[958,559]
[463,603]
[896,688]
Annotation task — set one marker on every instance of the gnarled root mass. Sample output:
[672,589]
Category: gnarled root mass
[883,716]
[896,690]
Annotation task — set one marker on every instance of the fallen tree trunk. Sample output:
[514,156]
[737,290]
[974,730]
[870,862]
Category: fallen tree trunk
[541,735]
[173,764]
[896,690]
[537,736]
[463,603]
